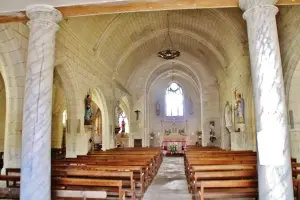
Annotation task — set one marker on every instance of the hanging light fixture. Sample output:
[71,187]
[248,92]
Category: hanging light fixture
[169,53]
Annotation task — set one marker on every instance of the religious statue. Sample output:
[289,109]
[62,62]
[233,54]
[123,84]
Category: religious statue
[123,126]
[228,115]
[88,110]
[157,108]
[239,109]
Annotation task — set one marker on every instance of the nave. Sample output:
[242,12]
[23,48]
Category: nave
[80,87]
[170,181]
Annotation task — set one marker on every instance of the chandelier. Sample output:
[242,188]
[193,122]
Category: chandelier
[169,53]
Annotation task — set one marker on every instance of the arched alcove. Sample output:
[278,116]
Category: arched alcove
[100,101]
[59,107]
[185,123]
[294,111]
[2,113]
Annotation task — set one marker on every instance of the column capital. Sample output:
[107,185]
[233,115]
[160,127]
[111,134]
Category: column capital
[249,4]
[43,13]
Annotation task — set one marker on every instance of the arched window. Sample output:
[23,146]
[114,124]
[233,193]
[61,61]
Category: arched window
[174,100]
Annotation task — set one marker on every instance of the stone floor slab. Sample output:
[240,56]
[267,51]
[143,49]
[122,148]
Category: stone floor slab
[170,182]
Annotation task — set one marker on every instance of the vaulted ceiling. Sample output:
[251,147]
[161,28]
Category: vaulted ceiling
[124,41]
[217,37]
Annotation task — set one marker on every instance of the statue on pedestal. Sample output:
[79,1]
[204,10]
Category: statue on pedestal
[228,116]
[239,109]
[88,110]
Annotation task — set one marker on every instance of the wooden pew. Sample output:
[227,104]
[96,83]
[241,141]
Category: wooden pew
[125,177]
[220,189]
[147,169]
[216,168]
[73,194]
[13,172]
[138,173]
[9,193]
[88,185]
[219,175]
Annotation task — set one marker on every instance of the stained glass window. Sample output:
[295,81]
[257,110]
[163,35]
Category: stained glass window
[174,100]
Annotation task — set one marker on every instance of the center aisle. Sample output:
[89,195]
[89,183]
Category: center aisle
[170,181]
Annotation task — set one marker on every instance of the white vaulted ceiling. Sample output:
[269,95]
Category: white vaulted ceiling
[124,41]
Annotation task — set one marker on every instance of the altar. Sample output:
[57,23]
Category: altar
[174,143]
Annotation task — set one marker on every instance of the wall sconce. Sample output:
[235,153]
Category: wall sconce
[137,114]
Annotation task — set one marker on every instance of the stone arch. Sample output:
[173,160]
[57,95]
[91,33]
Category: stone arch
[74,104]
[12,67]
[58,108]
[2,113]
[101,102]
[290,63]
[202,80]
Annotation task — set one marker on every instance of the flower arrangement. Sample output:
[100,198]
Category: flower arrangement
[173,149]
[168,132]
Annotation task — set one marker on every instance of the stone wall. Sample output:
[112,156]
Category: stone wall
[238,78]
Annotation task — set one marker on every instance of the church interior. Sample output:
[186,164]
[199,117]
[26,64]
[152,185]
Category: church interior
[175,101]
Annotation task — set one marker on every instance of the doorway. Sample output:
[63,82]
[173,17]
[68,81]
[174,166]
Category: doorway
[138,143]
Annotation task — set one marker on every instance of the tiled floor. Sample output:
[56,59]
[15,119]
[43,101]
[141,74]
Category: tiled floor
[170,182]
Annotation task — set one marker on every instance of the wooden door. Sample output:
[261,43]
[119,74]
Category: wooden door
[138,143]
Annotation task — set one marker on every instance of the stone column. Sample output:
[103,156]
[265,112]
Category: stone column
[36,135]
[274,160]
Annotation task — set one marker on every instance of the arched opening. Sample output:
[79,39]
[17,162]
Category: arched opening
[106,128]
[174,104]
[2,118]
[59,118]
[96,123]
[294,112]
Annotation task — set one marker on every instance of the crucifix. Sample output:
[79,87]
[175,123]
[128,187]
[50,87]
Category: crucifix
[137,114]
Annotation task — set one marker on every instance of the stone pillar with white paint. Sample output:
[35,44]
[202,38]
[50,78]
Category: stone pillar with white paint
[274,160]
[36,135]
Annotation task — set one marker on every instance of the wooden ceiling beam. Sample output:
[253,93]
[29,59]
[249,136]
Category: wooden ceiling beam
[108,8]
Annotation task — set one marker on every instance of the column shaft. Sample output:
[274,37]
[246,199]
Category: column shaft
[36,135]
[274,160]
